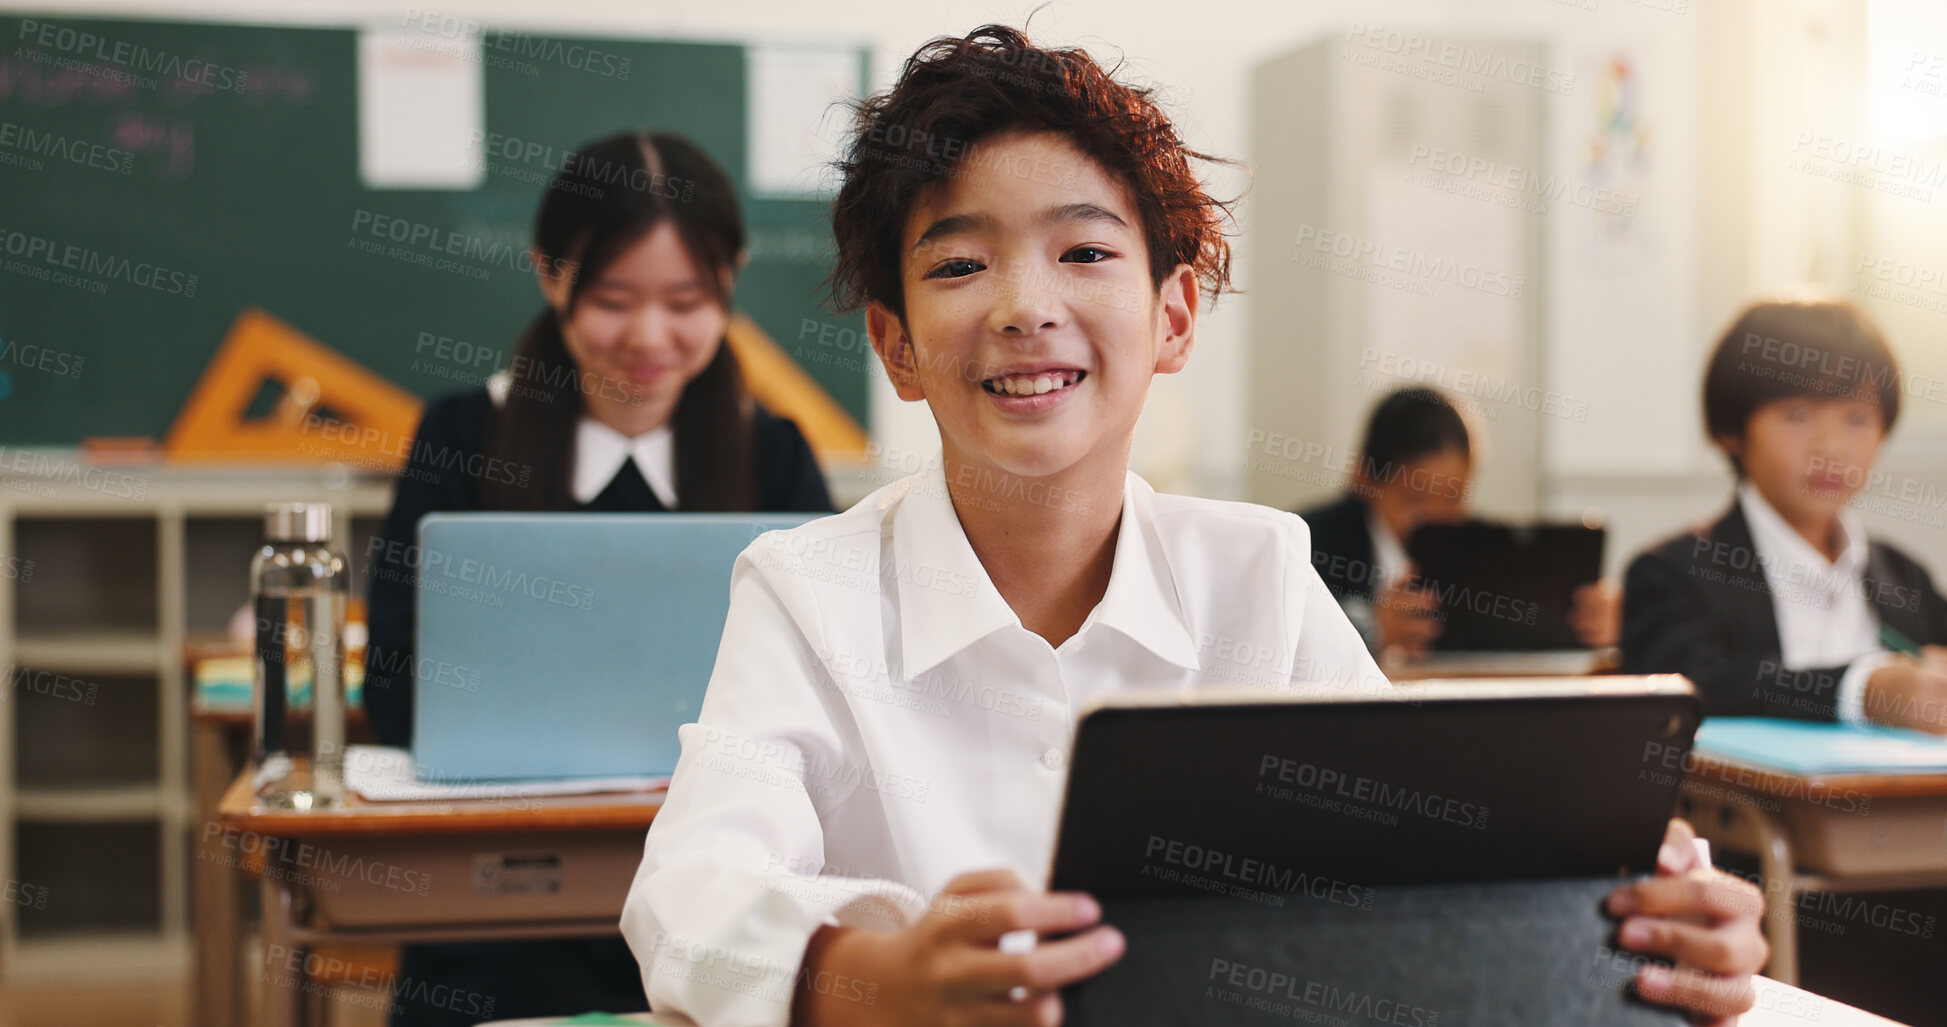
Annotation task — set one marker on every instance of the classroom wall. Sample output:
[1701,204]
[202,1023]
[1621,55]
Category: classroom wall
[1726,85]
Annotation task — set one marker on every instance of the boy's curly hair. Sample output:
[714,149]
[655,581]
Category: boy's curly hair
[953,94]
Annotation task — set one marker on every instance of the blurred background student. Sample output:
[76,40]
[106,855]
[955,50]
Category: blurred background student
[1783,607]
[1415,467]
[622,396]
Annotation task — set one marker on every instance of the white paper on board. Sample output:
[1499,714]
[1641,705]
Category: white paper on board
[421,110]
[796,118]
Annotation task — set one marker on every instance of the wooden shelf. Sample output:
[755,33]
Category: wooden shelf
[101,955]
[93,804]
[91,651]
[128,586]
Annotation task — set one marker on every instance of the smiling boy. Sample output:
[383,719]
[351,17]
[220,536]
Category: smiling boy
[866,807]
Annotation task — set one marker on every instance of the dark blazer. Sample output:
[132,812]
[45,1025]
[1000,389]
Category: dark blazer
[1342,549]
[1698,604]
[443,473]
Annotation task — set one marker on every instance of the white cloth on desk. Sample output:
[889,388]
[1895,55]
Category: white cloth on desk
[879,722]
[1781,1005]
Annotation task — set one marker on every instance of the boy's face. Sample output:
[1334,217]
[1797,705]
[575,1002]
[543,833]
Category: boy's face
[1807,455]
[1032,327]
[1425,490]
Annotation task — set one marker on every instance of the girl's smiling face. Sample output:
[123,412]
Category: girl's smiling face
[646,328]
[1032,326]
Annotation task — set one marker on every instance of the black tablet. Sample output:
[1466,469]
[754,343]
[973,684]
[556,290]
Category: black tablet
[1505,587]
[1440,851]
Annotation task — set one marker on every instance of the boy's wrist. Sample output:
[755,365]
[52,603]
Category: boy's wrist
[1882,694]
[842,978]
[1851,697]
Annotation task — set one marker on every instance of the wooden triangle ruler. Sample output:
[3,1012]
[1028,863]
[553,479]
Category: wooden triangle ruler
[330,409]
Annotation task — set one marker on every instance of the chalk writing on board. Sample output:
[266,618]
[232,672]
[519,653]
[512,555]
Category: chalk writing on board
[38,79]
[167,145]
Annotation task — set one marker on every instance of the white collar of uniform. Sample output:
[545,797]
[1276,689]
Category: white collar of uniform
[1388,552]
[947,602]
[600,452]
[1781,548]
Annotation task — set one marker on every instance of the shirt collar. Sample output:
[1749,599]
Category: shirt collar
[600,452]
[1776,540]
[947,602]
[1387,551]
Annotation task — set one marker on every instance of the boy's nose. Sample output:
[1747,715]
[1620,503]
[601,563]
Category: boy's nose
[1023,310]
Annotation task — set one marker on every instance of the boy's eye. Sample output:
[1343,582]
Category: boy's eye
[1086,255]
[955,269]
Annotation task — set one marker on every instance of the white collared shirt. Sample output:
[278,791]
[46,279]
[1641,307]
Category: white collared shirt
[1388,553]
[1820,605]
[879,721]
[600,452]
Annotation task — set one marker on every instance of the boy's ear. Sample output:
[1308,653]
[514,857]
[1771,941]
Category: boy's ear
[1177,308]
[1733,449]
[555,282]
[895,349]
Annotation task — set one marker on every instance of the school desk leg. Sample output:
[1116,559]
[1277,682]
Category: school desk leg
[283,971]
[1780,892]
[220,993]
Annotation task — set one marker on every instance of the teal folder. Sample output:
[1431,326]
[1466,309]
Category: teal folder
[1803,747]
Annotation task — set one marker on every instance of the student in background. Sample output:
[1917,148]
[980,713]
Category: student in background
[622,396]
[842,857]
[1415,467]
[1783,607]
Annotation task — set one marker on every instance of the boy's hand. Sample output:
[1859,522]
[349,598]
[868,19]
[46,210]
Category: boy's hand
[948,968]
[1705,921]
[1596,616]
[1407,617]
[1910,693]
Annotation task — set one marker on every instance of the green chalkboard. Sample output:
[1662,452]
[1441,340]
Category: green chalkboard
[156,178]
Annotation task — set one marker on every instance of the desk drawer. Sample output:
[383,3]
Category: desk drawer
[1887,835]
[456,880]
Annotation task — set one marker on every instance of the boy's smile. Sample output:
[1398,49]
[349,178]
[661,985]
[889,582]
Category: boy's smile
[1032,326]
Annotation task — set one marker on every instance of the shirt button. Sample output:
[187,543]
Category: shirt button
[1053,759]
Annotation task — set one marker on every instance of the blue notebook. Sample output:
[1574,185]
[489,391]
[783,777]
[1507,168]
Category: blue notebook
[1804,747]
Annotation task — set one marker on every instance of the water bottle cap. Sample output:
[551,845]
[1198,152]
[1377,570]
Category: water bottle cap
[297,522]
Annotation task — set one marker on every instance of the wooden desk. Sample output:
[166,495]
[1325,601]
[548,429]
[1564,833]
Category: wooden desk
[1832,833]
[220,746]
[1778,1005]
[1564,663]
[387,873]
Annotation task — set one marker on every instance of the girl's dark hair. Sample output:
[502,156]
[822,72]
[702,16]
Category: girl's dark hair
[1407,425]
[605,198]
[1812,345]
[953,95]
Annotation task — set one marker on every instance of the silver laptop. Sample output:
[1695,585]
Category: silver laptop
[568,645]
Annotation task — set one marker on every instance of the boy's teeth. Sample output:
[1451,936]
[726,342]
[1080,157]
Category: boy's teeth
[1029,385]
